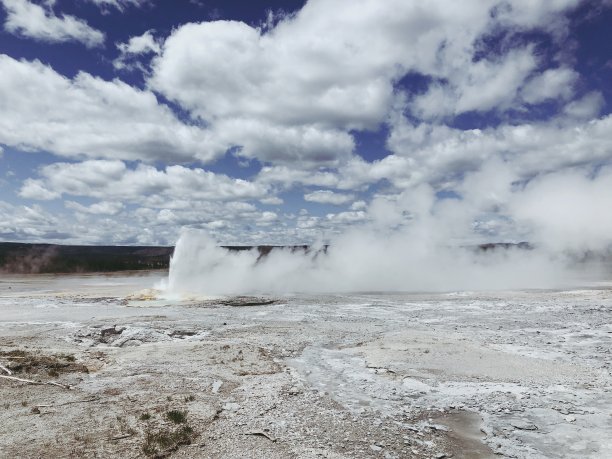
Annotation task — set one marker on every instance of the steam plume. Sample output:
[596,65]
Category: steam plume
[416,242]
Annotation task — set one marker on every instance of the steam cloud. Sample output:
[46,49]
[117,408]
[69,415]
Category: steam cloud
[415,241]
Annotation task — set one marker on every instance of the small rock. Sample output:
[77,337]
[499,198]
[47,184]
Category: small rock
[293,391]
[521,425]
[570,418]
[375,448]
[111,331]
[231,406]
[216,386]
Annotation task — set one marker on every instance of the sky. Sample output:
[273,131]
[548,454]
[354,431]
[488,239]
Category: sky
[291,122]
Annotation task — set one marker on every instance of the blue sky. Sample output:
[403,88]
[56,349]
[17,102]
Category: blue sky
[292,121]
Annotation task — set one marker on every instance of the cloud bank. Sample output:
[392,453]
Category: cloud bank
[262,132]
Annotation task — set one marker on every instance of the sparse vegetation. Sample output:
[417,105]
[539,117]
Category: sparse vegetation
[166,440]
[124,426]
[35,362]
[176,416]
[145,417]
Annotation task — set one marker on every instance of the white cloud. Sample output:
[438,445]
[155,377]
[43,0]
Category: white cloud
[536,13]
[440,155]
[267,218]
[491,85]
[481,86]
[27,223]
[120,5]
[272,201]
[347,217]
[176,186]
[87,116]
[550,84]
[308,145]
[141,45]
[587,107]
[359,205]
[30,20]
[293,93]
[357,173]
[98,208]
[33,189]
[328,197]
[288,177]
[433,153]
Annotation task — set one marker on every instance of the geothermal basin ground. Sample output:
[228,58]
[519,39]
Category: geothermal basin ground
[523,374]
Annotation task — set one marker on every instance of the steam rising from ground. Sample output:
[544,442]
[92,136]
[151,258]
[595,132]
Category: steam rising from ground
[415,241]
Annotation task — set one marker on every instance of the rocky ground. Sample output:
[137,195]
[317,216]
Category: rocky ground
[472,375]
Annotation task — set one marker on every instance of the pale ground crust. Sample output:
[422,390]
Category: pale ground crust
[523,374]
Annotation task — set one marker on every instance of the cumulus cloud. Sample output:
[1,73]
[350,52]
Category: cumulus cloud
[287,177]
[437,153]
[35,224]
[271,201]
[328,197]
[481,86]
[294,92]
[550,84]
[291,94]
[90,117]
[33,189]
[267,218]
[98,208]
[105,179]
[31,20]
[141,45]
[586,108]
[256,82]
[27,223]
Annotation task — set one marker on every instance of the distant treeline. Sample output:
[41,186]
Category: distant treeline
[49,258]
[20,258]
